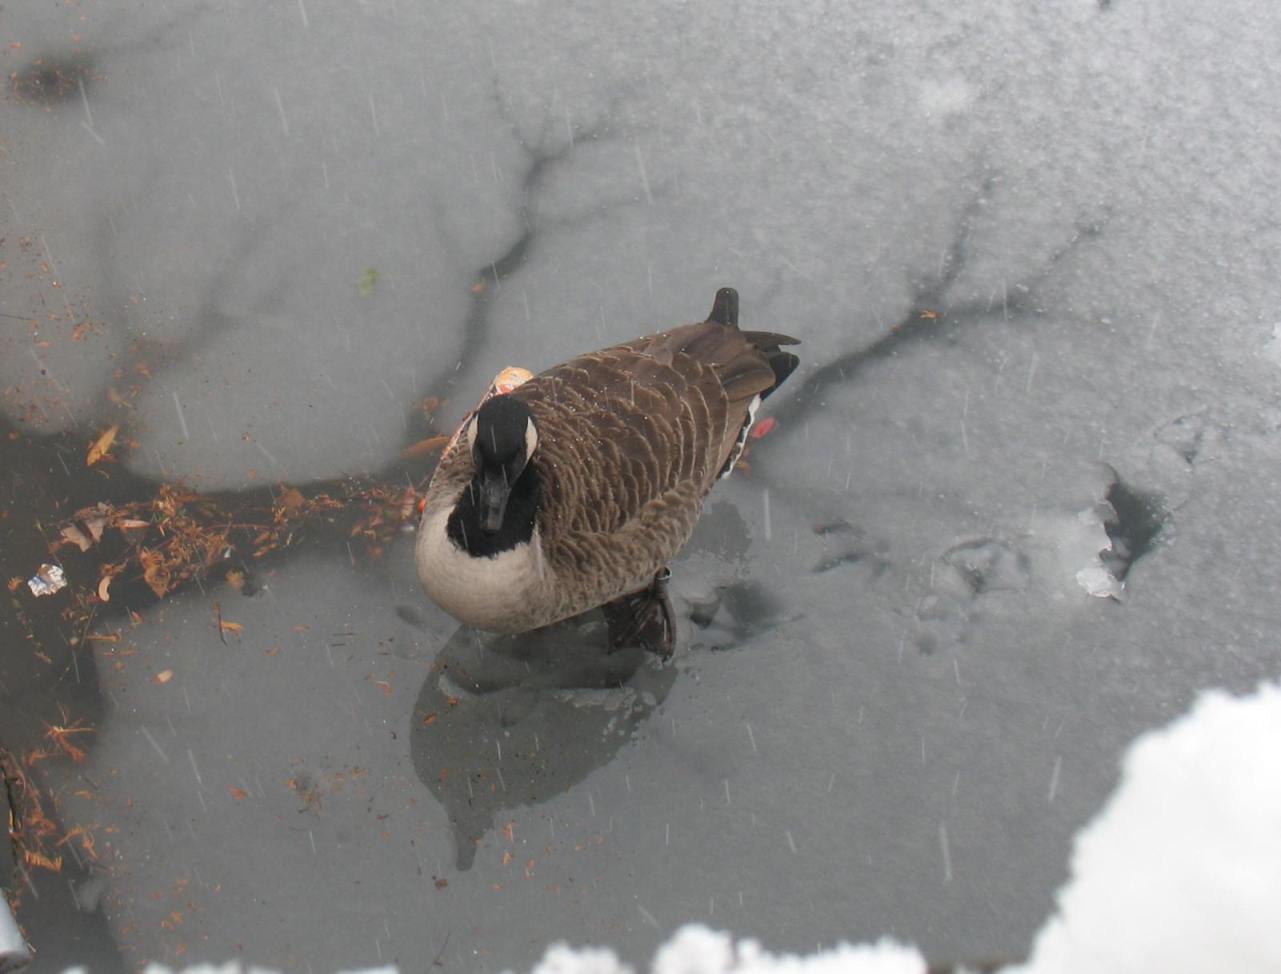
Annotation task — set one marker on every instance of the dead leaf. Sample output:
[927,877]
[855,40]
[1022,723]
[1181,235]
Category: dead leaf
[102,445]
[423,447]
[61,736]
[239,794]
[96,526]
[236,579]
[39,859]
[103,586]
[430,719]
[164,676]
[292,499]
[154,572]
[75,536]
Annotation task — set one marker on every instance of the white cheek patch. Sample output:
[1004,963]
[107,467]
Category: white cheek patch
[531,438]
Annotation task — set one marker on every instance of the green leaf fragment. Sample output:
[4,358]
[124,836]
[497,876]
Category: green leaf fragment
[367,281]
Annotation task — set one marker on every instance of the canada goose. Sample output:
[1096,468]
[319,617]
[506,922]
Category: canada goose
[576,487]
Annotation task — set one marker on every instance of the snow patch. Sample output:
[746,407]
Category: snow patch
[1181,872]
[697,950]
[946,96]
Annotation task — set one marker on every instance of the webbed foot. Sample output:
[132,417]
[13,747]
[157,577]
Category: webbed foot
[644,619]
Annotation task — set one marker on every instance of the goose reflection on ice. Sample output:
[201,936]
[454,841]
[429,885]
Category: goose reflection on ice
[511,721]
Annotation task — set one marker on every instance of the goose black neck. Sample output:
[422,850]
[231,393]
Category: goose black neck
[464,528]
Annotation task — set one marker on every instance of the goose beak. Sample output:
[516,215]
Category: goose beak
[494,491]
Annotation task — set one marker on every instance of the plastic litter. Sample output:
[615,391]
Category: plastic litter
[48,580]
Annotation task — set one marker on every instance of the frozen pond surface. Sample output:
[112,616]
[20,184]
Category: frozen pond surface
[1031,258]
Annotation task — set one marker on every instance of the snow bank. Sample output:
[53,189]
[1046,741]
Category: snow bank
[1181,871]
[697,950]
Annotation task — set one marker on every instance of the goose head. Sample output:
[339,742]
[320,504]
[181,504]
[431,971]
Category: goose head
[497,510]
[502,437]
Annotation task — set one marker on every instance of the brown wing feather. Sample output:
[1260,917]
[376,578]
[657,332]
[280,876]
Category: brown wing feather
[632,438]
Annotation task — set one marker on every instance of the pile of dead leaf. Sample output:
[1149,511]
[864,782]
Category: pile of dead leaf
[35,837]
[178,535]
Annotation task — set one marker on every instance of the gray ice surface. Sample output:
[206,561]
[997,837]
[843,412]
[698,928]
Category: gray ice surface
[1033,256]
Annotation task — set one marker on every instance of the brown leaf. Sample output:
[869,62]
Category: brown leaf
[164,676]
[236,579]
[103,586]
[102,445]
[39,859]
[239,794]
[292,499]
[423,447]
[154,572]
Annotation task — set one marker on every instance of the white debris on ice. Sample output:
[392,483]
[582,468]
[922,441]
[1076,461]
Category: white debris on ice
[47,580]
